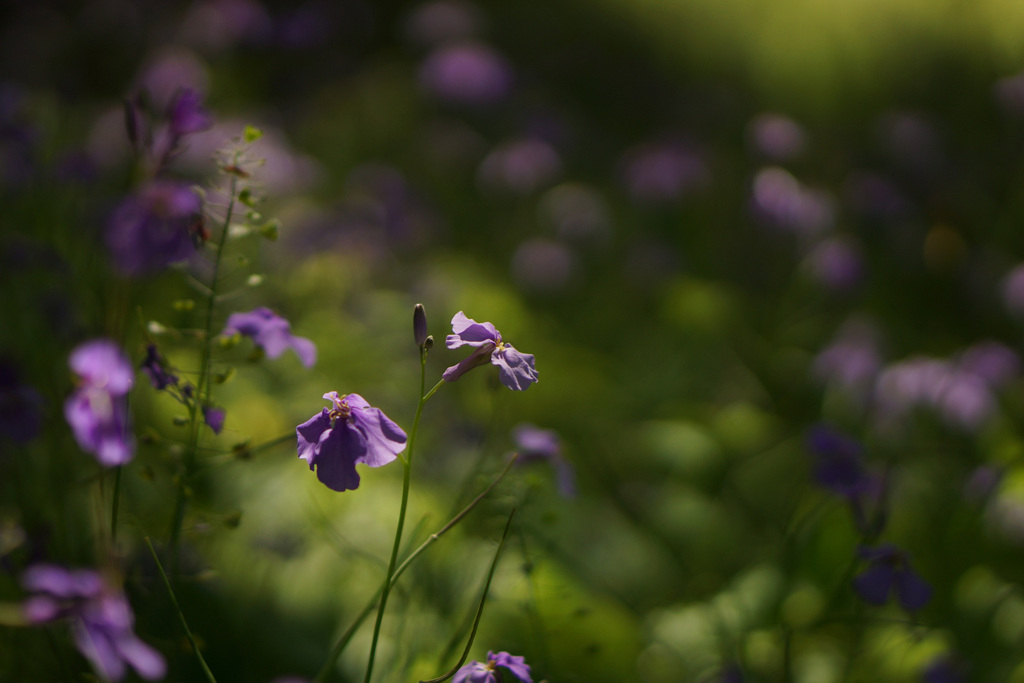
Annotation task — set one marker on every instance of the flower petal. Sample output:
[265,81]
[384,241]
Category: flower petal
[468,332]
[384,439]
[874,583]
[517,371]
[336,460]
[479,357]
[517,665]
[308,434]
[144,659]
[913,591]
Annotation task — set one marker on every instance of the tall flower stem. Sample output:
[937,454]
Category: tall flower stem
[433,538]
[202,384]
[406,479]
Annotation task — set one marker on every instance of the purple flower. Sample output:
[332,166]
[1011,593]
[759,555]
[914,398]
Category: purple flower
[153,228]
[837,264]
[782,201]
[100,617]
[186,114]
[889,571]
[155,367]
[777,137]
[839,468]
[351,432]
[658,174]
[272,333]
[516,370]
[946,668]
[520,166]
[466,73]
[97,411]
[484,672]
[214,418]
[535,444]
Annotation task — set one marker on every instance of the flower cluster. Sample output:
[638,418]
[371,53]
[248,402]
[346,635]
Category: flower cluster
[100,618]
[350,432]
[98,409]
[516,370]
[487,672]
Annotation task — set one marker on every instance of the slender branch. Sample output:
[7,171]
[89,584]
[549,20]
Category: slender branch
[347,636]
[181,616]
[480,609]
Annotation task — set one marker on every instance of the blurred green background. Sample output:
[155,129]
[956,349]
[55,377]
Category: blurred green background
[678,207]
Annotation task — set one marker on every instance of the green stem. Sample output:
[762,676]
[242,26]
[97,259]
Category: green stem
[195,412]
[116,504]
[433,538]
[479,610]
[406,479]
[181,616]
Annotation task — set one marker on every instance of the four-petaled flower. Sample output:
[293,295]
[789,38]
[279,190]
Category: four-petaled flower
[100,617]
[516,370]
[888,571]
[484,672]
[351,432]
[98,409]
[272,333]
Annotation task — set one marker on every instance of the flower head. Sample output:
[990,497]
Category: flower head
[156,369]
[889,571]
[97,411]
[100,617]
[153,228]
[272,333]
[350,432]
[483,672]
[516,370]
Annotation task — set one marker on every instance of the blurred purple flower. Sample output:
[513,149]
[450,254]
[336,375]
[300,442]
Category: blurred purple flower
[946,668]
[1009,93]
[443,21]
[155,368]
[994,363]
[351,432]
[662,173]
[171,71]
[214,418]
[837,264]
[960,397]
[466,73]
[888,571]
[534,444]
[543,265]
[875,197]
[839,468]
[100,618]
[780,200]
[520,166]
[21,406]
[97,410]
[777,137]
[852,361]
[516,370]
[153,228]
[1013,292]
[272,333]
[487,672]
[186,115]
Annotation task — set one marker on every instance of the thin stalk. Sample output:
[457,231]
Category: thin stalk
[480,608]
[202,384]
[181,616]
[406,480]
[433,538]
[115,505]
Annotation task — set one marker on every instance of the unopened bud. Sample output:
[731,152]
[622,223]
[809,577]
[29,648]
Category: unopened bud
[428,343]
[419,325]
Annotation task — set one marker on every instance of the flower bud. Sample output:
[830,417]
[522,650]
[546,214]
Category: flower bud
[428,343]
[419,325]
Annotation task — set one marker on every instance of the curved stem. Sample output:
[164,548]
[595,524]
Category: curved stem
[406,479]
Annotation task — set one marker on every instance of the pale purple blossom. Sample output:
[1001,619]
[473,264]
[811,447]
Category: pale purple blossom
[544,445]
[214,418]
[487,672]
[852,361]
[97,410]
[777,137]
[520,166]
[662,173]
[350,432]
[272,333]
[779,200]
[467,73]
[836,263]
[99,616]
[516,370]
